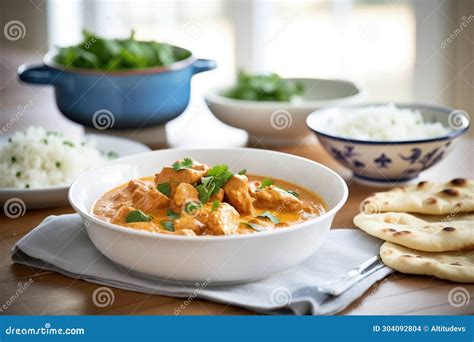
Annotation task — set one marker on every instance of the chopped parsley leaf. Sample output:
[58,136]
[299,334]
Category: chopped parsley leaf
[254,226]
[270,216]
[192,207]
[181,165]
[112,155]
[164,188]
[266,182]
[168,225]
[204,195]
[172,215]
[294,193]
[137,216]
[215,179]
[215,205]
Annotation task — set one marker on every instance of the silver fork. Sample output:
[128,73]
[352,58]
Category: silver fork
[338,286]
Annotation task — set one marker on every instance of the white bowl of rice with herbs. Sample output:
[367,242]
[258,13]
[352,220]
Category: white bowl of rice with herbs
[37,166]
[388,143]
[37,158]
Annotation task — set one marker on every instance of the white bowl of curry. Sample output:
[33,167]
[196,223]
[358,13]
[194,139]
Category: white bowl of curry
[215,215]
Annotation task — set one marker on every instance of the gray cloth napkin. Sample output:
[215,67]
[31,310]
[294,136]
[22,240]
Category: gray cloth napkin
[61,244]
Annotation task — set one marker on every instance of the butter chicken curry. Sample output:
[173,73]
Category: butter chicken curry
[190,198]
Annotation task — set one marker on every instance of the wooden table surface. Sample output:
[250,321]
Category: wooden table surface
[52,293]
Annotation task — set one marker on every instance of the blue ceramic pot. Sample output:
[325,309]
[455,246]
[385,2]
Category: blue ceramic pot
[122,99]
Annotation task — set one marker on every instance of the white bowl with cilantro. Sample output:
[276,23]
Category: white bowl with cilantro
[37,166]
[273,110]
[218,259]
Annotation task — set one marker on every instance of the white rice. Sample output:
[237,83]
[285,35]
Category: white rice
[38,159]
[382,123]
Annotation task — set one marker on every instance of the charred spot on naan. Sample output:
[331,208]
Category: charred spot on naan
[402,232]
[422,184]
[467,247]
[458,182]
[450,192]
[449,229]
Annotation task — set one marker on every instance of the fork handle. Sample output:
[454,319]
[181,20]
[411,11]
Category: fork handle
[339,286]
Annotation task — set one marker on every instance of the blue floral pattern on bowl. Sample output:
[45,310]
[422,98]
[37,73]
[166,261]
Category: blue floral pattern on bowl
[418,159]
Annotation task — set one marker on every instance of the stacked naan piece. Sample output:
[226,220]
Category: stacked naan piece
[428,228]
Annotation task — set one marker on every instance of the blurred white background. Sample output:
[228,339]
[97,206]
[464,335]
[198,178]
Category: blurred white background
[397,50]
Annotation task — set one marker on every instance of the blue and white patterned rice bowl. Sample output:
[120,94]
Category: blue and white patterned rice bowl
[388,162]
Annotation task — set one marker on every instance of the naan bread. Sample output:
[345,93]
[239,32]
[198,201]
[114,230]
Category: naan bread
[454,266]
[455,196]
[430,234]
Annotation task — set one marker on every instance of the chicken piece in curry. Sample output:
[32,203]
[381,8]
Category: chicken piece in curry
[191,198]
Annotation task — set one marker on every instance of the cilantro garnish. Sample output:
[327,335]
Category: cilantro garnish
[112,155]
[68,143]
[270,216]
[204,195]
[266,182]
[172,215]
[137,216]
[254,226]
[215,179]
[168,225]
[164,188]
[181,165]
[294,193]
[215,205]
[192,207]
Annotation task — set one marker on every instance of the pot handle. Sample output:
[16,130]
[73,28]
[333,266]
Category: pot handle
[201,65]
[38,74]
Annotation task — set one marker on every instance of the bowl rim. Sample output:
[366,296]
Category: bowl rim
[454,133]
[214,95]
[49,61]
[332,212]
